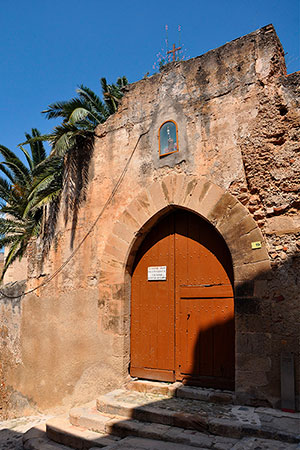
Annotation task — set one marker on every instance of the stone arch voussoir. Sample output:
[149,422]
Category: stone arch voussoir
[199,195]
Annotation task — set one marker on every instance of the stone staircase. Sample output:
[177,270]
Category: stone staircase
[152,415]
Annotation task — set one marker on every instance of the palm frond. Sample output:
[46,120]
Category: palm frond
[6,241]
[38,151]
[55,110]
[41,138]
[78,115]
[27,187]
[63,109]
[27,156]
[16,250]
[20,176]
[38,203]
[5,189]
[52,164]
[7,172]
[11,228]
[122,82]
[44,190]
[7,153]
[93,103]
[113,93]
[11,157]
[62,137]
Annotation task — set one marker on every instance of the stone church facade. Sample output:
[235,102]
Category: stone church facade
[231,168]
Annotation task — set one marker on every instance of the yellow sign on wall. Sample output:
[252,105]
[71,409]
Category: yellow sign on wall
[255,245]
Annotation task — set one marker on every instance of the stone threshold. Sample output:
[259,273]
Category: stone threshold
[180,390]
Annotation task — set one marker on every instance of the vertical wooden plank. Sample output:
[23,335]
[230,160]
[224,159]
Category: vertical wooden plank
[205,337]
[152,306]
[205,341]
[181,275]
[223,337]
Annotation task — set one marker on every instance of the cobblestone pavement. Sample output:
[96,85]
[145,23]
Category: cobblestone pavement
[11,431]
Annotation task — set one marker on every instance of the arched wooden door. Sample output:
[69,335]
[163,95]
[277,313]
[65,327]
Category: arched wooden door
[182,306]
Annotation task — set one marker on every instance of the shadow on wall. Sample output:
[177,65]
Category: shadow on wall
[266,324]
[266,321]
[261,336]
[266,310]
[212,363]
[263,331]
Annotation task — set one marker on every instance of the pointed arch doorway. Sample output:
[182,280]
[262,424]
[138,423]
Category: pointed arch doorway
[182,304]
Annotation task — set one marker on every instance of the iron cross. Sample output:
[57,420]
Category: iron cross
[174,50]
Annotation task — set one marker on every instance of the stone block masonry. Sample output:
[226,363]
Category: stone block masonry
[238,117]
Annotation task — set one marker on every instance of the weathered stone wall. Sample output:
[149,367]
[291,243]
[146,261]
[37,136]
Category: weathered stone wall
[10,347]
[17,271]
[270,152]
[238,117]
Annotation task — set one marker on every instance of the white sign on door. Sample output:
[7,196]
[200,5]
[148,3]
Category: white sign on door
[157,273]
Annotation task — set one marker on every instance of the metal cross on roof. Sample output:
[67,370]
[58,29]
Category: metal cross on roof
[174,50]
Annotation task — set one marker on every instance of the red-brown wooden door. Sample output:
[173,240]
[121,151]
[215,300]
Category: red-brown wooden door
[182,328]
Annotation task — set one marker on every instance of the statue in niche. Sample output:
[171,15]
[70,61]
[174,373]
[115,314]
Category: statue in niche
[168,138]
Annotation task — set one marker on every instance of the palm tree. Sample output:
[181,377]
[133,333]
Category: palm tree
[30,194]
[24,189]
[82,114]
[113,93]
[73,139]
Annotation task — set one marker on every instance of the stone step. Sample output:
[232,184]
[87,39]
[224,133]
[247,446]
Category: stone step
[135,443]
[181,391]
[92,419]
[232,421]
[61,431]
[36,438]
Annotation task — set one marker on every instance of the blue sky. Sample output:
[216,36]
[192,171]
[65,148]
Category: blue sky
[48,48]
